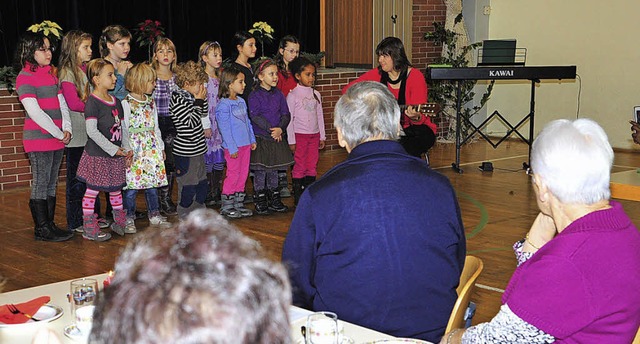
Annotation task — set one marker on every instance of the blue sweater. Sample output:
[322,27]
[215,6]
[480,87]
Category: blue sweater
[234,124]
[379,240]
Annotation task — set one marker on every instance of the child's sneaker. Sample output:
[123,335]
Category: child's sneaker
[159,221]
[91,231]
[130,227]
[103,223]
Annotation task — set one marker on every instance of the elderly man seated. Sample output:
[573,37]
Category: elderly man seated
[378,239]
[200,282]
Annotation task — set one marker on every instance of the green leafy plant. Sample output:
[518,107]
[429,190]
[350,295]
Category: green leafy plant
[315,58]
[444,92]
[263,33]
[147,32]
[8,76]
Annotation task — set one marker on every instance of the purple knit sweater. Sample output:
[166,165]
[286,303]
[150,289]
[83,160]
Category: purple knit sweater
[584,285]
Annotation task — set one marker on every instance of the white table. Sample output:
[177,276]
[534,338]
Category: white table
[58,293]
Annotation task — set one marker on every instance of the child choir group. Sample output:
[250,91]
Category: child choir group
[126,127]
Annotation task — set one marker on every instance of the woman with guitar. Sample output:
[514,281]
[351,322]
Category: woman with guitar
[408,86]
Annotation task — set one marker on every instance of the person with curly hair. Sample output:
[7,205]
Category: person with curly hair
[188,106]
[202,281]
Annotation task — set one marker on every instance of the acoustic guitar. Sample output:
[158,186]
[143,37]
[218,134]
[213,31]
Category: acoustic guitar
[427,109]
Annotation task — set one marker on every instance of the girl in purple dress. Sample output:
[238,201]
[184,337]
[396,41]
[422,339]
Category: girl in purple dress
[211,59]
[270,117]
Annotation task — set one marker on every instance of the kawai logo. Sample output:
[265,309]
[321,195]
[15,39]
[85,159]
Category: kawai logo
[501,72]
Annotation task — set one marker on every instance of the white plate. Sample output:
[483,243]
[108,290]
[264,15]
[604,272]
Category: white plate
[46,313]
[72,332]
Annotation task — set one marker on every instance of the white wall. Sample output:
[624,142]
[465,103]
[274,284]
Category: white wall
[599,37]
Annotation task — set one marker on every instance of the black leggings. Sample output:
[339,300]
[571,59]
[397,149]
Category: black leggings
[417,139]
[168,131]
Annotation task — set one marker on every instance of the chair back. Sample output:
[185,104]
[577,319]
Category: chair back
[636,340]
[472,268]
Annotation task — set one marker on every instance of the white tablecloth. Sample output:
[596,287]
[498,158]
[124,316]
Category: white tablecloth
[58,292]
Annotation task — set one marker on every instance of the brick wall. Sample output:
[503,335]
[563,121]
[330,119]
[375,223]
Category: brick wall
[330,83]
[15,170]
[425,13]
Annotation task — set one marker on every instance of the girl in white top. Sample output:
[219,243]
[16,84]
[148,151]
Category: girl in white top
[141,135]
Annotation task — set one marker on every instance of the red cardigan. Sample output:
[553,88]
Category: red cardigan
[415,94]
[286,84]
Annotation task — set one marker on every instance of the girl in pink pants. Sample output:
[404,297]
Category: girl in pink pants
[306,130]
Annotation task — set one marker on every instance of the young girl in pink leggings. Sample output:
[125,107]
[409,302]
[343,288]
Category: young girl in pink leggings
[306,130]
[237,140]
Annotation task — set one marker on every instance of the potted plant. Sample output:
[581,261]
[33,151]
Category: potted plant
[49,29]
[444,92]
[8,76]
[147,32]
[263,33]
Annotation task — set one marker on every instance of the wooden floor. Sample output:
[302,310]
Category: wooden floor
[497,209]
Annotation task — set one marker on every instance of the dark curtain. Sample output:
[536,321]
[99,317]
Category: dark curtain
[186,23]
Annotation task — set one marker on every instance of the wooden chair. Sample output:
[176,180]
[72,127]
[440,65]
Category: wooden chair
[472,268]
[636,340]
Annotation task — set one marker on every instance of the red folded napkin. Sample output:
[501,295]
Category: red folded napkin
[29,307]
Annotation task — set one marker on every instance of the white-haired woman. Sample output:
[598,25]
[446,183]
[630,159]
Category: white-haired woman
[578,277]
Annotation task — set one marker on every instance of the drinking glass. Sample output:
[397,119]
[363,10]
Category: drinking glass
[322,328]
[83,298]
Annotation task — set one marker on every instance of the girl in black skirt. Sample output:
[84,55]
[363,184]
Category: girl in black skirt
[270,117]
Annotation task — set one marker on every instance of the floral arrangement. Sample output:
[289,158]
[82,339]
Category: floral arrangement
[50,29]
[263,33]
[147,32]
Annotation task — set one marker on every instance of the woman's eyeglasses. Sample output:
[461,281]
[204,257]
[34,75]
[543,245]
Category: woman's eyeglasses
[45,49]
[292,51]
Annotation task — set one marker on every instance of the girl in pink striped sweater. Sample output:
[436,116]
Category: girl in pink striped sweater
[46,130]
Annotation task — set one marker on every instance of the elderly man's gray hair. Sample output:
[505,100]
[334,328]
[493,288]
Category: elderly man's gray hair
[367,111]
[574,159]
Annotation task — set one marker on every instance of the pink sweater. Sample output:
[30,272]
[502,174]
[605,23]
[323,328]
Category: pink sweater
[306,113]
[43,86]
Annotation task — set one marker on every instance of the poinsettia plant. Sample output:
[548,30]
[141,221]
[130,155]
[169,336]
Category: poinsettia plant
[50,29]
[263,33]
[147,32]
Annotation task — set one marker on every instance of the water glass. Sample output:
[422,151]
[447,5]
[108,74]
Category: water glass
[322,328]
[83,298]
